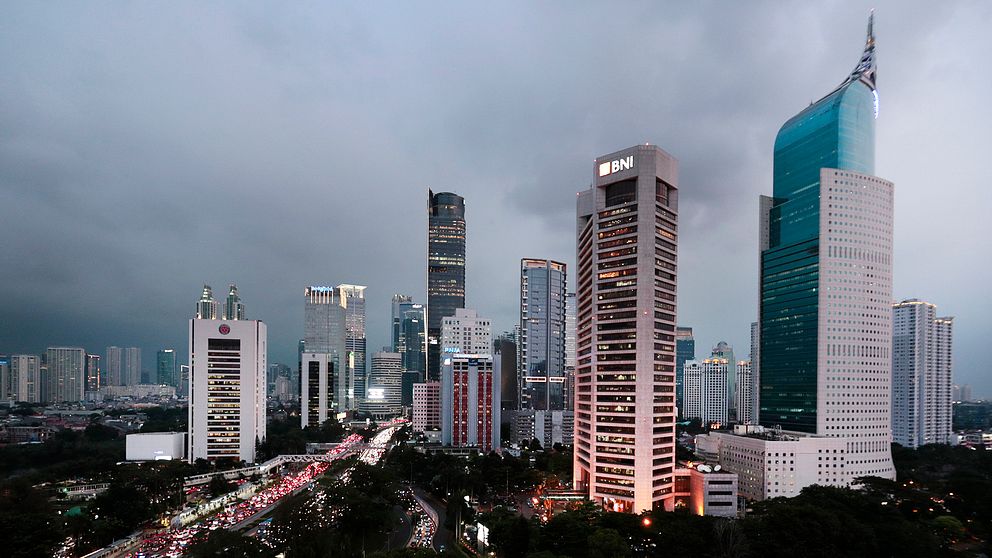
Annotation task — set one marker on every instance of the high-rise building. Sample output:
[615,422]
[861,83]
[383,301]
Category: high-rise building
[426,407]
[685,349]
[744,393]
[826,277]
[66,374]
[627,231]
[724,351]
[113,369]
[466,333]
[227,394]
[352,297]
[183,389]
[132,366]
[7,384]
[410,334]
[921,374]
[25,371]
[570,352]
[705,390]
[445,268]
[318,388]
[325,333]
[541,346]
[234,309]
[755,358]
[165,368]
[92,372]
[207,308]
[505,358]
[470,400]
[384,386]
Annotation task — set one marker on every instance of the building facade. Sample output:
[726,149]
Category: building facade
[353,299]
[744,396]
[25,372]
[685,349]
[165,368]
[384,398]
[113,369]
[92,372]
[541,346]
[466,333]
[426,406]
[921,374]
[445,268]
[410,334]
[825,326]
[627,245]
[705,390]
[325,333]
[227,394]
[234,309]
[131,371]
[547,427]
[470,401]
[66,374]
[207,308]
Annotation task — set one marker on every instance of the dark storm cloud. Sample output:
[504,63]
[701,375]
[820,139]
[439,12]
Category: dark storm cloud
[146,149]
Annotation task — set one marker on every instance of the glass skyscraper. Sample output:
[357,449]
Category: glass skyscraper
[541,346]
[445,268]
[685,349]
[165,368]
[826,275]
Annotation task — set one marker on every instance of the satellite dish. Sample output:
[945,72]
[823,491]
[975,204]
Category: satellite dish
[704,468]
[716,468]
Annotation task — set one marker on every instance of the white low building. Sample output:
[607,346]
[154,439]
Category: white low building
[155,446]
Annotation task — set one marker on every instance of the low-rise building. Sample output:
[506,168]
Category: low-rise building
[155,446]
[706,490]
[427,407]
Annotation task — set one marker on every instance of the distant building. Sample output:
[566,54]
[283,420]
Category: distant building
[541,345]
[547,427]
[325,333]
[92,372]
[25,372]
[207,308]
[921,374]
[317,389]
[470,400]
[137,391]
[183,390]
[705,386]
[755,373]
[234,309]
[466,333]
[685,349]
[165,368]
[505,358]
[131,373]
[426,406]
[445,268]
[352,297]
[383,397]
[66,374]
[724,351]
[227,394]
[570,310]
[113,367]
[155,446]
[410,334]
[745,394]
[972,415]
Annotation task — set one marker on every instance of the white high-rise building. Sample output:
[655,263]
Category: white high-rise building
[744,395]
[207,308]
[66,374]
[112,367]
[470,402]
[7,384]
[627,246]
[755,359]
[921,374]
[227,388]
[426,406]
[131,374]
[570,353]
[384,385]
[705,395]
[466,333]
[352,297]
[325,333]
[25,371]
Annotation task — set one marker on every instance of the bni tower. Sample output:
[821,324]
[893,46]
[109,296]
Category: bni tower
[445,269]
[625,342]
[826,277]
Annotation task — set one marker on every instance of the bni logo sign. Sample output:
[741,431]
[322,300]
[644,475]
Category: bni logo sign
[617,165]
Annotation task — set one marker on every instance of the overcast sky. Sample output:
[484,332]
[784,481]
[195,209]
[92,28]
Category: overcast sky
[148,148]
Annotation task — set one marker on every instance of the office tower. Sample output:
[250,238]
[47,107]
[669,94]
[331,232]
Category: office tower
[445,268]
[505,358]
[227,394]
[724,351]
[25,371]
[625,374]
[685,349]
[325,333]
[184,385]
[112,367]
[470,413]
[66,374]
[541,346]
[207,308]
[744,394]
[234,309]
[921,374]
[426,406]
[92,372]
[826,277]
[466,333]
[706,390]
[318,388]
[352,297]
[384,386]
[131,374]
[570,352]
[547,427]
[410,333]
[7,383]
[755,372]
[165,368]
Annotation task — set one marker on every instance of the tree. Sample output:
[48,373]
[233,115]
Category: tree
[607,543]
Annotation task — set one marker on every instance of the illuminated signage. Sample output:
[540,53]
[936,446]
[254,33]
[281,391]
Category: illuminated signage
[452,350]
[377,394]
[617,165]
[224,329]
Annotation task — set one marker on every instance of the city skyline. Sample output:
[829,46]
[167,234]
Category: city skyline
[518,198]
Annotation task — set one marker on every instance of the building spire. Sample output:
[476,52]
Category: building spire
[866,70]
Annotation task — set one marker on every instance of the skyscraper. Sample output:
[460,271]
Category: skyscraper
[66,374]
[113,369]
[25,371]
[445,268]
[326,357]
[921,374]
[165,368]
[131,374]
[541,346]
[755,359]
[7,383]
[352,297]
[706,390]
[505,358]
[724,351]
[570,352]
[744,395]
[385,380]
[92,372]
[470,401]
[627,245]
[466,333]
[410,334]
[234,309]
[685,349]
[826,277]
[227,395]
[207,308]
